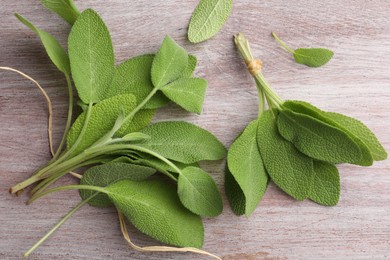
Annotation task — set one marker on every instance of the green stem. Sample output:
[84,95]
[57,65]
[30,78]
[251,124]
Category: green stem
[67,216]
[141,105]
[284,46]
[69,120]
[261,96]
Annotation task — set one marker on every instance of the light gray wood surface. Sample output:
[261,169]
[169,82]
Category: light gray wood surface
[355,82]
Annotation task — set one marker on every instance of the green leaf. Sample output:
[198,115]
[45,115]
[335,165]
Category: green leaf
[246,166]
[188,72]
[310,110]
[154,208]
[208,18]
[136,137]
[362,132]
[183,142]
[56,53]
[289,169]
[140,120]
[234,194]
[317,139]
[169,63]
[106,174]
[312,57]
[199,193]
[325,189]
[91,57]
[102,119]
[133,77]
[187,92]
[64,8]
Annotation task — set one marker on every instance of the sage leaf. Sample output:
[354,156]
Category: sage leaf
[234,194]
[289,169]
[91,57]
[183,142]
[312,57]
[246,166]
[362,132]
[317,139]
[154,208]
[64,8]
[135,137]
[169,63]
[106,174]
[310,110]
[53,49]
[325,189]
[140,120]
[191,65]
[188,93]
[102,119]
[208,18]
[199,193]
[134,77]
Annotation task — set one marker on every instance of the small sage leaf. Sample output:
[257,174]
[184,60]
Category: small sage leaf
[246,166]
[64,8]
[91,57]
[317,139]
[55,51]
[289,169]
[106,174]
[102,119]
[310,110]
[169,63]
[183,142]
[208,18]
[199,193]
[325,189]
[154,208]
[187,92]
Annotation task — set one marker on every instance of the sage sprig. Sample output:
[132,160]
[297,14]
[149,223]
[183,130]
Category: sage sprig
[113,131]
[294,144]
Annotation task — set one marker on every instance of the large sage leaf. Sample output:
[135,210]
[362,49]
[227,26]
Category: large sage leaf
[154,208]
[64,8]
[317,139]
[183,142]
[325,188]
[55,51]
[208,18]
[106,174]
[310,110]
[288,168]
[187,92]
[102,119]
[169,63]
[91,57]
[246,166]
[199,193]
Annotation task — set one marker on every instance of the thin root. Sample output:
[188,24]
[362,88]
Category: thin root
[122,222]
[76,175]
[49,105]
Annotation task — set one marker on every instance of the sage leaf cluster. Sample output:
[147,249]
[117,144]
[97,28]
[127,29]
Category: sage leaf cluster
[296,146]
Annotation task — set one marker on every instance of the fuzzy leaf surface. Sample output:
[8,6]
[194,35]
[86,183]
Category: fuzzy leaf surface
[313,57]
[91,57]
[188,72]
[64,8]
[234,194]
[53,49]
[208,19]
[199,193]
[154,208]
[288,168]
[106,174]
[188,93]
[169,63]
[246,166]
[317,139]
[183,142]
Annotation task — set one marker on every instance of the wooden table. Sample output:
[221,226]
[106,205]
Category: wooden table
[355,82]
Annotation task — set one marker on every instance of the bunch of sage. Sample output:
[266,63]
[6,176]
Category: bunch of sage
[113,131]
[294,144]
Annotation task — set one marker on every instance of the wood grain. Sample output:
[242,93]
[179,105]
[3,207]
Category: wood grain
[355,82]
